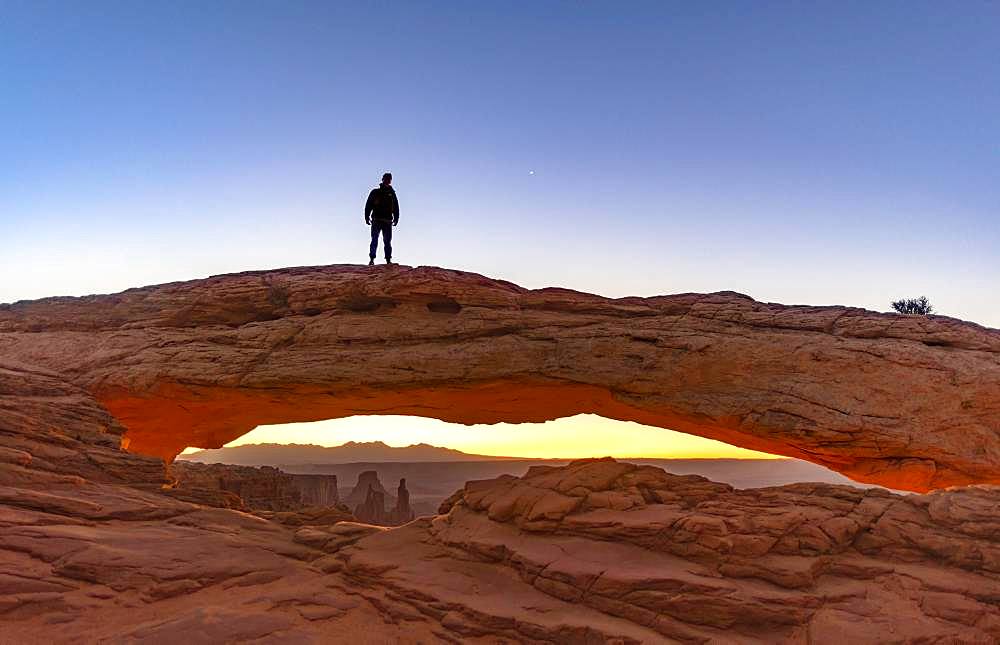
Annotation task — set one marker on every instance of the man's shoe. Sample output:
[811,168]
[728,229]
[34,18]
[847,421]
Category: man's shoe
[371,262]
[388,261]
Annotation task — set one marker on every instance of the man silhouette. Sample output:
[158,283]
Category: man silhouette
[382,213]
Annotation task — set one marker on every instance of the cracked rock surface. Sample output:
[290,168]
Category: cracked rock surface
[93,550]
[907,402]
[692,560]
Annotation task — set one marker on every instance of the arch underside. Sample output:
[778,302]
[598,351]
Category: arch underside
[213,416]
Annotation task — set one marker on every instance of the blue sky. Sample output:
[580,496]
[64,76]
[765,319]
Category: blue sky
[816,153]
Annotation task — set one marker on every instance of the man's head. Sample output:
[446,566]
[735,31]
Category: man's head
[387,178]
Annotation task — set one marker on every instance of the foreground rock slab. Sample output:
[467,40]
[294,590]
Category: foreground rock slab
[596,552]
[565,554]
[905,402]
[94,549]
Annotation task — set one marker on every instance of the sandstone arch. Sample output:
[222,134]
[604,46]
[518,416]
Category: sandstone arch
[910,403]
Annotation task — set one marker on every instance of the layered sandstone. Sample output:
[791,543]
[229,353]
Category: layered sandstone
[60,434]
[906,402]
[317,490]
[92,549]
[567,554]
[262,488]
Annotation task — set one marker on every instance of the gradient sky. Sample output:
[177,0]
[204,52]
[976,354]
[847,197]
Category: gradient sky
[812,153]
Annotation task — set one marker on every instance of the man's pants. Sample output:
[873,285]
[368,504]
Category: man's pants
[386,229]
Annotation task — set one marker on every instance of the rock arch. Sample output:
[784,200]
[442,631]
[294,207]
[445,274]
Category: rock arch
[906,402]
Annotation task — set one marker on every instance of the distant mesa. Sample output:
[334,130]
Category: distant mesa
[351,452]
[249,488]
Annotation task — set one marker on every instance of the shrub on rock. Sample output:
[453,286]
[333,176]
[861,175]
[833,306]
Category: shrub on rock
[919,306]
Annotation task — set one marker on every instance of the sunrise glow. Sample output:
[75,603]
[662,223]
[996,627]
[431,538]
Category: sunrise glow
[584,435]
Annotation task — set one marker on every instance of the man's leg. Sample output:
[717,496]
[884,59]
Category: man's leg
[387,240]
[374,246]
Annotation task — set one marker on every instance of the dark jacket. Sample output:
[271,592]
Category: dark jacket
[382,205]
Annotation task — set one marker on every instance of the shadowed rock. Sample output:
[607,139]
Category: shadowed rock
[317,490]
[372,510]
[263,488]
[367,480]
[402,513]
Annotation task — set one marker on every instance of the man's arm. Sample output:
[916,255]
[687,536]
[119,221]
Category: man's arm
[395,209]
[368,208]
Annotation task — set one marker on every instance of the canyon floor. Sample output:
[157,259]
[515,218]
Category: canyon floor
[95,392]
[430,483]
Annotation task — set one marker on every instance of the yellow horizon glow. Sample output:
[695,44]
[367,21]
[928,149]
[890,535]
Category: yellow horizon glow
[584,435]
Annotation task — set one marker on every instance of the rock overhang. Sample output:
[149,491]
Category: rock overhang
[905,402]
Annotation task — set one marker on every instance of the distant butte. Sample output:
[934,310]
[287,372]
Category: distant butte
[905,402]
